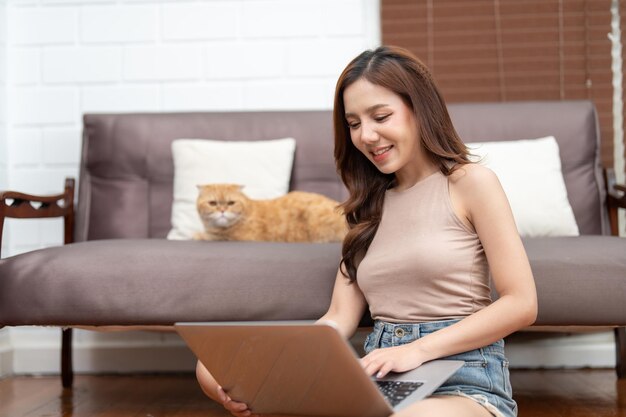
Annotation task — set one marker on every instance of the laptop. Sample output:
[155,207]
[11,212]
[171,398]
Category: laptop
[305,369]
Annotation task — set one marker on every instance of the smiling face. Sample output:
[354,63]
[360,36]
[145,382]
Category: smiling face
[385,130]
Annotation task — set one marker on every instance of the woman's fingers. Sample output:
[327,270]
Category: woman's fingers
[371,366]
[398,359]
[222,395]
[236,408]
[380,369]
[381,363]
[244,413]
[384,369]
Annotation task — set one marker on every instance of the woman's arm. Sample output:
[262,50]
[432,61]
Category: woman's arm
[346,306]
[478,198]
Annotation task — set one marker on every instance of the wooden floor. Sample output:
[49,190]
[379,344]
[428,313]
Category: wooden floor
[551,393]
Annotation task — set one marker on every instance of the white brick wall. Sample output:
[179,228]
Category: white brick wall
[202,21]
[3,93]
[118,23]
[254,59]
[5,347]
[33,25]
[42,106]
[277,18]
[216,95]
[4,160]
[25,65]
[120,98]
[91,64]
[163,63]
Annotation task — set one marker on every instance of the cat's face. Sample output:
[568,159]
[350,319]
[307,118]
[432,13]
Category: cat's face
[220,205]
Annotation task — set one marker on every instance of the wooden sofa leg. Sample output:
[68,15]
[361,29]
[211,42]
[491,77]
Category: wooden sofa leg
[620,352]
[67,372]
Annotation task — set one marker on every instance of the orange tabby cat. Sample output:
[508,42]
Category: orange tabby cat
[227,214]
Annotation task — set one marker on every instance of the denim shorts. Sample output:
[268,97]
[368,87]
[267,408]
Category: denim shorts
[484,378]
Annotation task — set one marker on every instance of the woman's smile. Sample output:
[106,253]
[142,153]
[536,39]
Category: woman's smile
[381,153]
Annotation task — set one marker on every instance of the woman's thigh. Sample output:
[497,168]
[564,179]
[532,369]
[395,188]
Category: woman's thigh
[444,405]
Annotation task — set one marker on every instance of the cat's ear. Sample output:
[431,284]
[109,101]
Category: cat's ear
[200,187]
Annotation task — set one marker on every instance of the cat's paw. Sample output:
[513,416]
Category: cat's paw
[200,236]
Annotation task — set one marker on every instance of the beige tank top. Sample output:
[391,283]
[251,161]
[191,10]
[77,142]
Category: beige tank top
[423,264]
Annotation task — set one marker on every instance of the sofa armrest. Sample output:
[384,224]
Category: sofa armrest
[21,207]
[615,198]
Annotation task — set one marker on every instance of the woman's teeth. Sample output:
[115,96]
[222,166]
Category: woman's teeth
[382,151]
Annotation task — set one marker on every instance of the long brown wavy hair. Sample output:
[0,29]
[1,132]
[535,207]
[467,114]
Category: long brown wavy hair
[399,71]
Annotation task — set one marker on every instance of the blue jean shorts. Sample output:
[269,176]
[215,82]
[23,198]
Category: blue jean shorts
[484,378]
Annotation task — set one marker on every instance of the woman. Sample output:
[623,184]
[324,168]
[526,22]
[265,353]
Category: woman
[426,228]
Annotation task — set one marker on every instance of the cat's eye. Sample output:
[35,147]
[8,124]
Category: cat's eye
[230,203]
[213,203]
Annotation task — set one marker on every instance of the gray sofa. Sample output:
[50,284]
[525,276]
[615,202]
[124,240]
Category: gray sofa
[121,270]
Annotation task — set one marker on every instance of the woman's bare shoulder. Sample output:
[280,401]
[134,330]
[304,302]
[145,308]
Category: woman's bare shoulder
[475,187]
[472,175]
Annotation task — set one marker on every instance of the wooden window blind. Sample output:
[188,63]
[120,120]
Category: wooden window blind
[505,50]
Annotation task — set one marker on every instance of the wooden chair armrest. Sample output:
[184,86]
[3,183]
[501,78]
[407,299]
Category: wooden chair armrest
[616,193]
[20,206]
[615,198]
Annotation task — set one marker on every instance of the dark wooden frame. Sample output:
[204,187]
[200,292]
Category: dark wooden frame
[615,199]
[61,205]
[22,207]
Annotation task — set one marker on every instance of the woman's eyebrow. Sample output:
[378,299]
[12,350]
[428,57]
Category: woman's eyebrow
[369,109]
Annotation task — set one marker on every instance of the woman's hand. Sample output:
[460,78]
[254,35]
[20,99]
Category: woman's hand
[235,408]
[214,391]
[403,358]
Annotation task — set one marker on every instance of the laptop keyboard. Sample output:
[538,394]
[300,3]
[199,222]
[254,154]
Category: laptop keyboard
[396,391]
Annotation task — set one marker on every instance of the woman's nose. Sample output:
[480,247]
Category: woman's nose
[369,134]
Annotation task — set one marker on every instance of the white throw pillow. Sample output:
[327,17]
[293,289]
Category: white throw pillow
[530,173]
[262,167]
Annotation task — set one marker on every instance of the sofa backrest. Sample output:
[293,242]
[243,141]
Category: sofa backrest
[126,175]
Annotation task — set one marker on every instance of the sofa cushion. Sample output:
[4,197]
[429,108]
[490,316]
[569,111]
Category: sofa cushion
[157,281]
[580,281]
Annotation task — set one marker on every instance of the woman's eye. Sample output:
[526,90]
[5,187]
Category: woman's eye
[382,118]
[354,125]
